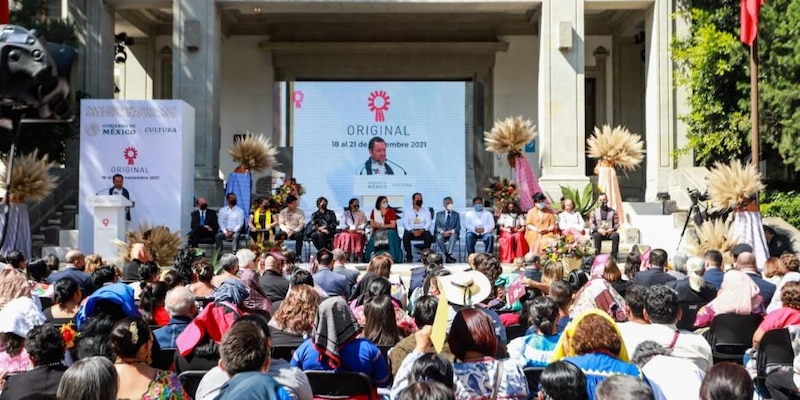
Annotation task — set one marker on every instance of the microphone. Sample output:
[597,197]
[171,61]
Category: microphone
[397,165]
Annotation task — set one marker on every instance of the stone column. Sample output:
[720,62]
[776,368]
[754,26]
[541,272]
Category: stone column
[659,122]
[561,96]
[196,70]
[96,62]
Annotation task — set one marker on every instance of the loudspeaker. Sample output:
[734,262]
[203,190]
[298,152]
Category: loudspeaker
[191,35]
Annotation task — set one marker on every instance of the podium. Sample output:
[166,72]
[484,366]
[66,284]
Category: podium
[109,224]
[395,187]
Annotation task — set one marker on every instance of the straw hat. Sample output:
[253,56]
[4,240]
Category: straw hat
[466,288]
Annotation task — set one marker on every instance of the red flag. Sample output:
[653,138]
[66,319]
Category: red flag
[4,19]
[749,20]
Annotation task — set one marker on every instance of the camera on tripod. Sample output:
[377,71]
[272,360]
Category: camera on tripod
[696,196]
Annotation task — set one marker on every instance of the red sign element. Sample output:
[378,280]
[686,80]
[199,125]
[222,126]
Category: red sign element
[297,98]
[378,103]
[105,222]
[517,289]
[130,154]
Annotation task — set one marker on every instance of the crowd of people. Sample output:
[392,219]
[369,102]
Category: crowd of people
[258,325]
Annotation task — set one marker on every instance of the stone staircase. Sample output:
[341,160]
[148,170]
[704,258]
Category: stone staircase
[55,214]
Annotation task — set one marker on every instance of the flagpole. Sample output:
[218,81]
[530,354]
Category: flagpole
[754,136]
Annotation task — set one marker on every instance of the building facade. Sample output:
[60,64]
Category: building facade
[568,65]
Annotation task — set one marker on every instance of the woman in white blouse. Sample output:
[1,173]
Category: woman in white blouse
[512,233]
[571,221]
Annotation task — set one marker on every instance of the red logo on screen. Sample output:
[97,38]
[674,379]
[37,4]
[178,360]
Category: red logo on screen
[378,103]
[297,98]
[130,154]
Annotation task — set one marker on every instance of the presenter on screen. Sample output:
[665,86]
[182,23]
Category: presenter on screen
[377,164]
[119,190]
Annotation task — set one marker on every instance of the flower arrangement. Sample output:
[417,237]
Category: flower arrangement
[568,246]
[282,192]
[69,334]
[502,192]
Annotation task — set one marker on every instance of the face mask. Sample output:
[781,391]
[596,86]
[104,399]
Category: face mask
[384,205]
[449,207]
[233,202]
[478,207]
[418,203]
[323,205]
[604,205]
[355,207]
[203,206]
[541,206]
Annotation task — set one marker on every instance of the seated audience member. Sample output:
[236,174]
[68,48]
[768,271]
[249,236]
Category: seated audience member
[781,383]
[52,262]
[384,238]
[737,295]
[694,291]
[536,349]
[479,225]
[139,256]
[577,279]
[512,233]
[430,286]
[151,305]
[429,259]
[244,356]
[727,381]
[788,266]
[352,238]
[381,267]
[293,380]
[204,224]
[633,262]
[669,377]
[173,279]
[613,276]
[38,272]
[293,323]
[662,311]
[380,327]
[593,343]
[93,378]
[148,273]
[746,262]
[131,343]
[292,222]
[599,294]
[332,283]
[76,263]
[470,289]
[274,285]
[603,225]
[302,277]
[45,347]
[66,302]
[678,266]
[623,387]
[230,269]
[426,390]
[204,272]
[714,272]
[97,317]
[655,275]
[490,267]
[333,345]
[17,318]
[785,316]
[634,309]
[102,276]
[256,298]
[777,245]
[561,294]
[339,259]
[540,225]
[423,367]
[447,228]
[424,313]
[93,261]
[323,225]
[231,221]
[181,308]
[563,380]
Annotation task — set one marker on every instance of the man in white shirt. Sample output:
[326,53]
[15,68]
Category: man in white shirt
[231,221]
[292,221]
[417,224]
[479,224]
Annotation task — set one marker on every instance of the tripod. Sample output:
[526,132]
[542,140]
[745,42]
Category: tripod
[698,220]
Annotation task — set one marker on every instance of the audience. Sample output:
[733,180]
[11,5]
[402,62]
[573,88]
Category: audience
[131,342]
[727,381]
[737,295]
[181,308]
[204,272]
[785,316]
[66,302]
[98,315]
[339,260]
[598,294]
[148,273]
[17,318]
[274,285]
[789,264]
[173,279]
[74,269]
[714,272]
[230,269]
[93,378]
[678,269]
[633,262]
[781,383]
[152,305]
[256,298]
[536,349]
[45,347]
[426,390]
[139,256]
[623,387]
[424,314]
[561,294]
[562,380]
[380,327]
[293,323]
[613,276]
[746,262]
[332,283]
[693,291]
[655,275]
[423,367]
[669,377]
[102,276]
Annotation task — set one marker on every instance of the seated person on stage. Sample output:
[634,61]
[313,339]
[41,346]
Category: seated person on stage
[540,225]
[512,233]
[204,224]
[323,225]
[417,224]
[352,237]
[479,224]
[292,221]
[603,223]
[261,222]
[383,221]
[570,222]
[231,221]
[447,228]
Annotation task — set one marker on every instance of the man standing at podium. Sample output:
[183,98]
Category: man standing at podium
[377,163]
[119,190]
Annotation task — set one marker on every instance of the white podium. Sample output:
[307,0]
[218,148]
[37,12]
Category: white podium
[109,224]
[395,187]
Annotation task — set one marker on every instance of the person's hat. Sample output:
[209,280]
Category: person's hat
[465,288]
[20,315]
[741,248]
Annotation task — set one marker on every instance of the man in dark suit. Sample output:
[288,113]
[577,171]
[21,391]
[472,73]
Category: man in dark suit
[339,258]
[332,283]
[446,229]
[603,224]
[655,275]
[714,273]
[746,262]
[204,224]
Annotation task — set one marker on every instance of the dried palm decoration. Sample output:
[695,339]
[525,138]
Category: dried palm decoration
[254,152]
[161,243]
[616,147]
[712,235]
[734,185]
[510,136]
[31,179]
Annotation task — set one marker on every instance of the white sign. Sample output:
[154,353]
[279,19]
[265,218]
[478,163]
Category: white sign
[151,144]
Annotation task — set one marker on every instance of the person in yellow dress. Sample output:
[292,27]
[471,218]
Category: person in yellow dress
[540,225]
